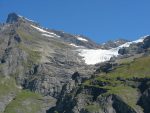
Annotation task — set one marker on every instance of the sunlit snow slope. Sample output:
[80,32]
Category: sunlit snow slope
[94,56]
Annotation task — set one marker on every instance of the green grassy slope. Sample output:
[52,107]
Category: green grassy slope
[121,81]
[24,102]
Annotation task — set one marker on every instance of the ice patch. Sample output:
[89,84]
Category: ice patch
[82,39]
[93,56]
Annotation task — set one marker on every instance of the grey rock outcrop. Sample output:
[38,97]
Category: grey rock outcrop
[12,18]
[136,48]
[113,44]
[146,42]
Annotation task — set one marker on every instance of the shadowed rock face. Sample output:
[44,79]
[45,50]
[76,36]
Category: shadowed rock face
[12,18]
[136,48]
[108,93]
[146,42]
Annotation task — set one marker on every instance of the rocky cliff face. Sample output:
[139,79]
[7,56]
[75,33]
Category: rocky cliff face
[40,67]
[38,59]
[113,44]
[136,48]
[41,62]
[12,18]
[122,90]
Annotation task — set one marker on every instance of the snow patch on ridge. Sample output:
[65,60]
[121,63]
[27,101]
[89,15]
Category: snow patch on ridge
[82,39]
[44,31]
[39,29]
[26,18]
[47,35]
[74,45]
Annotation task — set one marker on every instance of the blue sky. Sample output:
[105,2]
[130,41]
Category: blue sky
[101,20]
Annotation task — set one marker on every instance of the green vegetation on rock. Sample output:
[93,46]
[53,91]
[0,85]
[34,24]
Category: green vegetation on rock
[92,108]
[33,56]
[24,35]
[24,102]
[7,85]
[120,82]
[139,68]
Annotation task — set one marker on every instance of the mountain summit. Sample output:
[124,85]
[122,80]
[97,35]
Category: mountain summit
[50,71]
[12,18]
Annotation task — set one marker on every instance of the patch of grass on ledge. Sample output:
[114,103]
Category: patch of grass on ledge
[93,108]
[7,85]
[25,102]
[25,35]
[33,56]
[128,94]
[139,68]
